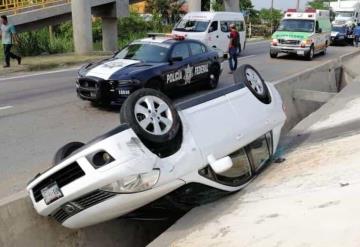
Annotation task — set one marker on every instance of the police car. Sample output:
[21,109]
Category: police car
[165,155]
[158,62]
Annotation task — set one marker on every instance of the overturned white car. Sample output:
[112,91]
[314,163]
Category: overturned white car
[184,154]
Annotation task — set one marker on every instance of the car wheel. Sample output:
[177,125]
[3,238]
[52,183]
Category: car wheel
[151,115]
[253,80]
[66,151]
[310,55]
[214,76]
[273,54]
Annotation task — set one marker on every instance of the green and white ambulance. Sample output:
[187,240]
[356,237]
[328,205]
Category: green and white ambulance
[303,33]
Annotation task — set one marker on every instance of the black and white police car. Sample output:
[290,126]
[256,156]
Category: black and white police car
[158,62]
[165,155]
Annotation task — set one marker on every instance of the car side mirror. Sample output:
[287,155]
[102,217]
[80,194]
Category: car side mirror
[175,59]
[221,165]
[319,30]
[211,29]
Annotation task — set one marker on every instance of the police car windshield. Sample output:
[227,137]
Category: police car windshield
[289,25]
[145,52]
[339,29]
[192,26]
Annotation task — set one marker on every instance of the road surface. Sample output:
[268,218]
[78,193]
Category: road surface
[41,112]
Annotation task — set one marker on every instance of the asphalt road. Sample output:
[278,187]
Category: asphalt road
[41,112]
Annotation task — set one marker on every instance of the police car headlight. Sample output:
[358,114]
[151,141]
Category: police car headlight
[134,183]
[124,82]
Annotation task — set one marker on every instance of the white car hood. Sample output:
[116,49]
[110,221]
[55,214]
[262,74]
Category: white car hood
[105,70]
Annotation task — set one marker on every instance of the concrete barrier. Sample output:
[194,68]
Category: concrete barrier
[330,77]
[21,226]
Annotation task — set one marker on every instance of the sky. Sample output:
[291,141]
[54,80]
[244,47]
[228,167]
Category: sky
[278,4]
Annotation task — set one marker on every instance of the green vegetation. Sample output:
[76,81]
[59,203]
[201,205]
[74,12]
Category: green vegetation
[42,42]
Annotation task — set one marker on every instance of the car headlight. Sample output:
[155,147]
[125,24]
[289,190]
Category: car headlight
[275,42]
[134,183]
[124,82]
[341,37]
[100,158]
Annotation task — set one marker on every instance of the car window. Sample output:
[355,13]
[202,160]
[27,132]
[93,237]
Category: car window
[150,53]
[181,50]
[241,166]
[213,27]
[196,48]
[260,151]
[224,26]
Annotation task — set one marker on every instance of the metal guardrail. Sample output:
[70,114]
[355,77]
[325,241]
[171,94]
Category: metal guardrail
[18,6]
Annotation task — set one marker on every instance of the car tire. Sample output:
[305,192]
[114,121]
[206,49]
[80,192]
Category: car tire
[273,54]
[141,111]
[310,54]
[214,76]
[65,151]
[252,79]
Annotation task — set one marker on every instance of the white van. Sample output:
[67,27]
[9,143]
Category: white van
[212,28]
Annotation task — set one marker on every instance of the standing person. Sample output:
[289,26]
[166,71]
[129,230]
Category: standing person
[8,35]
[233,48]
[357,35]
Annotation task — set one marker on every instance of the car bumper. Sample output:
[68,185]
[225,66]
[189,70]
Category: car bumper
[119,205]
[101,91]
[290,49]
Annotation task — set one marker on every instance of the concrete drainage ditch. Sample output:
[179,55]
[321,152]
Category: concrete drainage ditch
[302,93]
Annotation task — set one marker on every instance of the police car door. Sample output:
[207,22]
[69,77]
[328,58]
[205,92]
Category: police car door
[200,62]
[176,74]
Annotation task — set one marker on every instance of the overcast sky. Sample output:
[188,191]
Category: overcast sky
[278,4]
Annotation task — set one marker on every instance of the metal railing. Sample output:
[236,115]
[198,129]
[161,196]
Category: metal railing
[17,6]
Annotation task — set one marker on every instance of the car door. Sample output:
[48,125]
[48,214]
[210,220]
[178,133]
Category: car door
[199,61]
[214,36]
[178,72]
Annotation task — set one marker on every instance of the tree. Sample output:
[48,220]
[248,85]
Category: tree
[169,10]
[269,16]
[319,4]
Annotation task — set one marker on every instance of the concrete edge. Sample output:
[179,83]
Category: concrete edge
[309,70]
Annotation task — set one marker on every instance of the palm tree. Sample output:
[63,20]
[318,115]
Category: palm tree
[169,10]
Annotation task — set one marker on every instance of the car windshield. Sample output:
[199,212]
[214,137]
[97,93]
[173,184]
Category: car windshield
[307,26]
[339,29]
[192,26]
[144,52]
[344,14]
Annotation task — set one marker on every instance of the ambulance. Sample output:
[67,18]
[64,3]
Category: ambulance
[305,33]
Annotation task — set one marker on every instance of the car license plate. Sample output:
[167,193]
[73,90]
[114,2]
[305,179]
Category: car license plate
[51,193]
[300,52]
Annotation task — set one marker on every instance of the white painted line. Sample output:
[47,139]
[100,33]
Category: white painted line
[240,58]
[250,56]
[38,74]
[5,107]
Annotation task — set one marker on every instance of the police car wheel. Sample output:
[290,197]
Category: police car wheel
[65,151]
[151,115]
[253,80]
[214,76]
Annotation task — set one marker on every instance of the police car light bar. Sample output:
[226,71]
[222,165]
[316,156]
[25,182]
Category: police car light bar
[169,35]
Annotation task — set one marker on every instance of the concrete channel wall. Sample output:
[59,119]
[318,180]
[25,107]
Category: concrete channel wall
[301,92]
[21,226]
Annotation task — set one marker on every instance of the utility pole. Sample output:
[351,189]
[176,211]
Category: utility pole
[271,13]
[297,5]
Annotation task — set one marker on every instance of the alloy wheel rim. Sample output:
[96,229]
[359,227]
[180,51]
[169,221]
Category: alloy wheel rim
[255,81]
[153,115]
